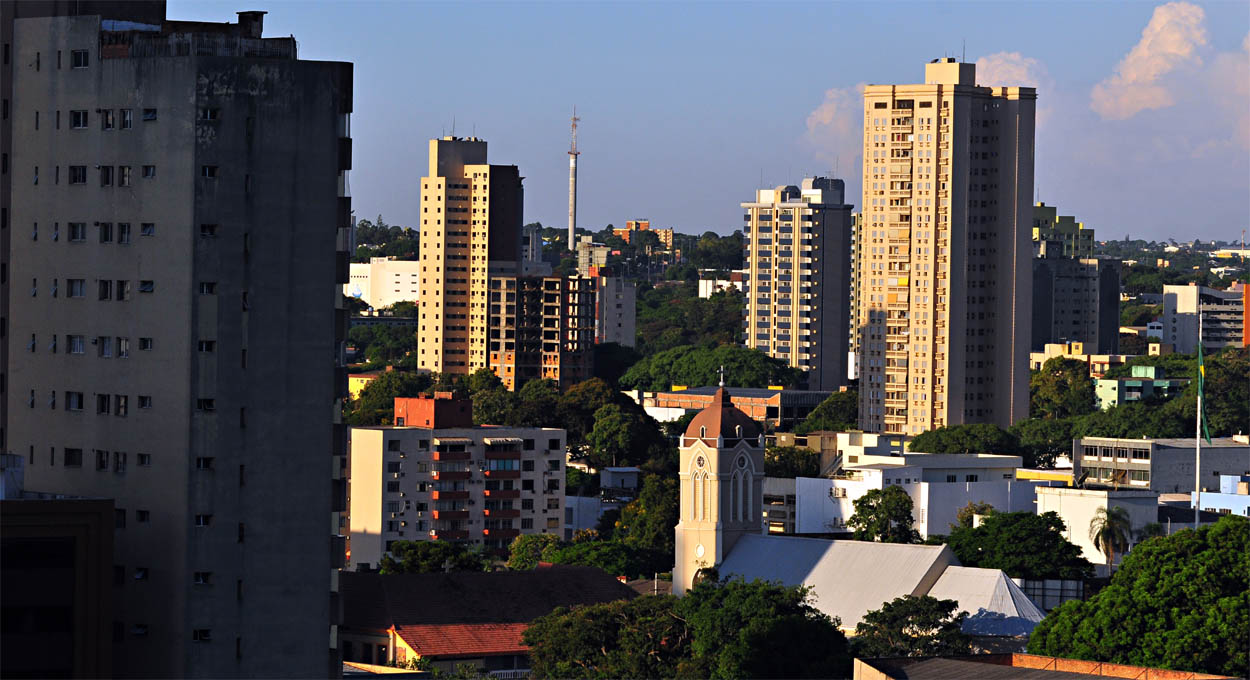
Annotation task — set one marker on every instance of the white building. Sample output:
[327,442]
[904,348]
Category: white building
[616,310]
[384,281]
[1222,320]
[709,287]
[1077,507]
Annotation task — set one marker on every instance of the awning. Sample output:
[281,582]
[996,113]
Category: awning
[439,441]
[496,441]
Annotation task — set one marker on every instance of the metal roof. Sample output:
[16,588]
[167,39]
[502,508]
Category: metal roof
[995,604]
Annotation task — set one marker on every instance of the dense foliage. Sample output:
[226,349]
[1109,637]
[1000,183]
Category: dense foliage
[526,550]
[1062,388]
[429,557]
[791,462]
[381,344]
[717,630]
[973,438]
[376,403]
[698,366]
[912,626]
[674,316]
[839,412]
[379,239]
[1177,602]
[1022,544]
[884,515]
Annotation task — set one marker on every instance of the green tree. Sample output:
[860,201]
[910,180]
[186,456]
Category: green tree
[1062,388]
[577,407]
[611,360]
[963,518]
[494,407]
[974,438]
[376,404]
[1150,530]
[791,462]
[1139,315]
[648,522]
[1110,530]
[623,437]
[837,413]
[429,557]
[579,483]
[698,366]
[526,550]
[1043,440]
[884,515]
[1022,544]
[912,626]
[1177,602]
[717,630]
[613,557]
[481,380]
[536,404]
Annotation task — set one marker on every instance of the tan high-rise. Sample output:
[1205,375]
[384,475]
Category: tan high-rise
[470,230]
[944,249]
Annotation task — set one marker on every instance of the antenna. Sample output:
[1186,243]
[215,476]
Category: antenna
[573,154]
[963,57]
[453,126]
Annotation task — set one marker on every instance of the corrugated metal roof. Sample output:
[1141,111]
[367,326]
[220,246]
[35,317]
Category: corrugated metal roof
[995,604]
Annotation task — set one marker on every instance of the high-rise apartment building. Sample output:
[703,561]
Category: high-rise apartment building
[435,476]
[797,245]
[1224,321]
[541,327]
[1076,300]
[616,310]
[470,230]
[183,199]
[944,252]
[852,316]
[1061,232]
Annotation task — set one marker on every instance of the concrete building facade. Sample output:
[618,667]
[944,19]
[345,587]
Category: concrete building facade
[441,478]
[1062,233]
[383,281]
[541,327]
[1076,300]
[184,198]
[1146,382]
[1077,507]
[470,231]
[797,245]
[1098,364]
[616,310]
[633,226]
[1165,465]
[1223,318]
[591,255]
[945,249]
[1232,498]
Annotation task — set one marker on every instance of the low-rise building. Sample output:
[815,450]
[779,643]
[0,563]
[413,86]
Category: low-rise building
[438,477]
[1077,507]
[591,255]
[779,409]
[1010,666]
[1146,382]
[1098,364]
[634,226]
[1165,465]
[383,281]
[709,287]
[1233,497]
[780,505]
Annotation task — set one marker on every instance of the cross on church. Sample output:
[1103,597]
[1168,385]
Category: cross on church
[722,375]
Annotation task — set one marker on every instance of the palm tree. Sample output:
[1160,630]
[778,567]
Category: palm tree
[1110,530]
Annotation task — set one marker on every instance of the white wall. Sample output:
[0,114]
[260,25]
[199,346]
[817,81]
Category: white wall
[1076,507]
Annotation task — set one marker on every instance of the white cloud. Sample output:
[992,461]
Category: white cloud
[1229,83]
[1171,40]
[836,127]
[1012,69]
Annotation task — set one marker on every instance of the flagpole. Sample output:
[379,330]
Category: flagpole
[1198,423]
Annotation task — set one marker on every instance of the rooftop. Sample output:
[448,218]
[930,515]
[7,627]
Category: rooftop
[1012,667]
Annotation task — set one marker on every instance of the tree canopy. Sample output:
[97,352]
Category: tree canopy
[648,522]
[376,404]
[719,629]
[1022,544]
[912,626]
[698,366]
[429,557]
[1062,388]
[837,413]
[790,462]
[973,438]
[526,550]
[884,515]
[1177,602]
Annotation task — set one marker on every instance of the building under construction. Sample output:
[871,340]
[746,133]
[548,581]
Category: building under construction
[541,327]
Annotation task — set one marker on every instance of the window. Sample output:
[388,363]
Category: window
[202,635]
[202,578]
[106,175]
[123,347]
[145,460]
[141,573]
[128,118]
[527,503]
[102,463]
[208,230]
[145,344]
[553,444]
[104,346]
[145,401]
[73,458]
[78,59]
[205,404]
[74,344]
[527,523]
[143,516]
[147,229]
[970,478]
[106,289]
[78,120]
[120,405]
[102,403]
[149,172]
[123,233]
[107,120]
[123,175]
[209,114]
[208,171]
[77,175]
[208,345]
[146,286]
[123,291]
[149,114]
[106,233]
[78,230]
[203,520]
[204,463]
[208,288]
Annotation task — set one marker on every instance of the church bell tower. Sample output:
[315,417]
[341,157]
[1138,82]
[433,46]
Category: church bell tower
[722,480]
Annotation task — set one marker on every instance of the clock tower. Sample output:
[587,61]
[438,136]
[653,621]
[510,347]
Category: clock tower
[722,479]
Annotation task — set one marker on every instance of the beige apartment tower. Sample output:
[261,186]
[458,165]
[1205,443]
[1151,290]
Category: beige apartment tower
[183,230]
[798,245]
[470,230]
[945,248]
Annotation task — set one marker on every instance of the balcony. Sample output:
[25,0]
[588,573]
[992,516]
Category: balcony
[450,495]
[501,493]
[501,474]
[506,513]
[449,534]
[451,514]
[450,475]
[451,455]
[505,454]
[501,533]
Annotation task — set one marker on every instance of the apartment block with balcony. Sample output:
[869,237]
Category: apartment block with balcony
[1224,320]
[1076,300]
[541,328]
[797,245]
[944,245]
[442,478]
[616,310]
[1165,465]
[183,205]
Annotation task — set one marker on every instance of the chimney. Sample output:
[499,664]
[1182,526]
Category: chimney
[251,24]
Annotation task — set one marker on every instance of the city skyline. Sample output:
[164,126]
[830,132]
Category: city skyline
[1155,94]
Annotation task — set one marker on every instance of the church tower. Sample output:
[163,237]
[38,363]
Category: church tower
[722,482]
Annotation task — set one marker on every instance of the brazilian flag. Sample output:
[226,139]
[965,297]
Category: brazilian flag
[1202,379]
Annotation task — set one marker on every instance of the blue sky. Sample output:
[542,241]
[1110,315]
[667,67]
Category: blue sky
[1145,107]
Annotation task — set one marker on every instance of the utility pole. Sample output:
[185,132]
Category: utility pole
[573,154]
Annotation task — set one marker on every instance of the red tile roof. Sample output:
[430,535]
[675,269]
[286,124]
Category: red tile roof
[449,641]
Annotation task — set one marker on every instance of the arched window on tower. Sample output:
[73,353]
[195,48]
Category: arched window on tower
[735,502]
